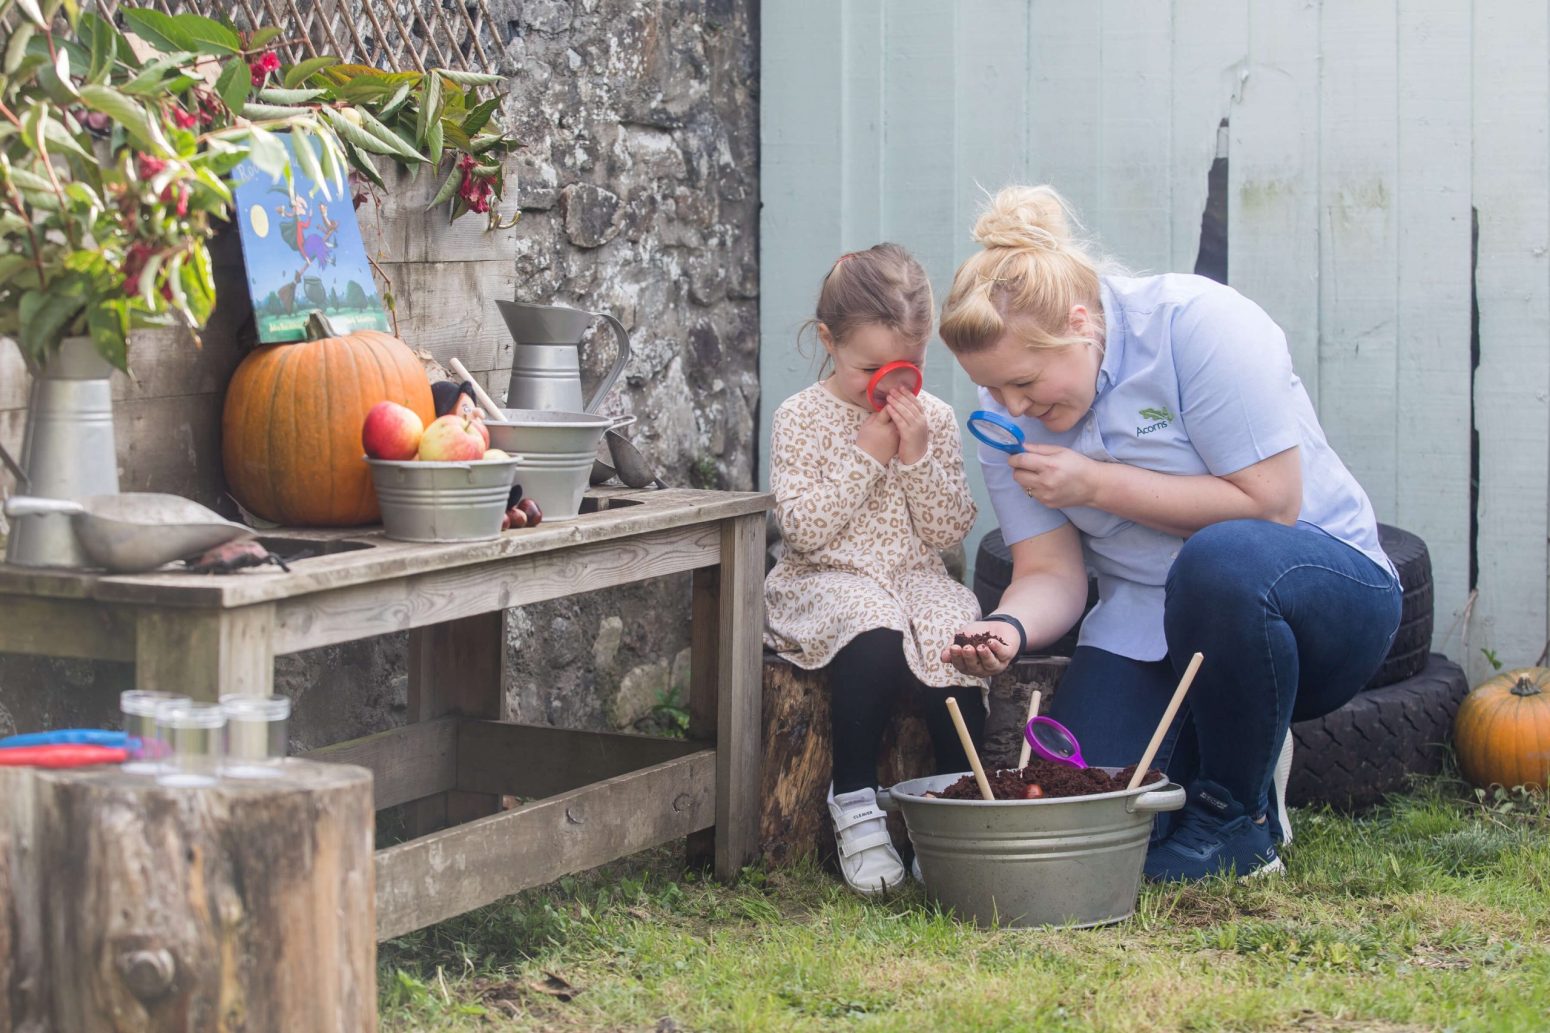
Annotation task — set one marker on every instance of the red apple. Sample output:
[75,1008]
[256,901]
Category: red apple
[451,439]
[391,431]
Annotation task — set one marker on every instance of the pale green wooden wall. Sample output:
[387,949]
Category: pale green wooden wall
[1361,136]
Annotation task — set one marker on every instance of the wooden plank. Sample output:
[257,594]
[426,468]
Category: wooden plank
[652,511]
[739,689]
[863,168]
[1273,245]
[1512,383]
[417,600]
[1210,41]
[535,761]
[990,151]
[1133,213]
[61,627]
[406,763]
[458,667]
[205,654]
[447,873]
[1433,364]
[448,309]
[169,445]
[1358,261]
[918,149]
[704,670]
[802,68]
[1065,87]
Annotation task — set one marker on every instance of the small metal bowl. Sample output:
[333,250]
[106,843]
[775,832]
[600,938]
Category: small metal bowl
[442,502]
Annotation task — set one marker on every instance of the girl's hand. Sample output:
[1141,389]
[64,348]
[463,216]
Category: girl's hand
[987,660]
[1057,477]
[879,437]
[914,432]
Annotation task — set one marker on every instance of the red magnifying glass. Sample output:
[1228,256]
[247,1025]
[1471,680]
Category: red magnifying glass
[895,376]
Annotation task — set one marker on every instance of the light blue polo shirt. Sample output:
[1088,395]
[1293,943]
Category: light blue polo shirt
[1195,379]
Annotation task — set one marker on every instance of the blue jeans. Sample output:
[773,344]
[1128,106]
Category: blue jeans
[1292,623]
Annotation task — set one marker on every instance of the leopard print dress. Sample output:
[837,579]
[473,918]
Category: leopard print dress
[863,540]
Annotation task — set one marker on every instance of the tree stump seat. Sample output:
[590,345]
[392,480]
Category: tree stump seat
[794,779]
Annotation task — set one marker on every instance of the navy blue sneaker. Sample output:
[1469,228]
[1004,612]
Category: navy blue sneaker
[1213,835]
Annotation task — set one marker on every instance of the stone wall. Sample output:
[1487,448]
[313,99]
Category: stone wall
[637,184]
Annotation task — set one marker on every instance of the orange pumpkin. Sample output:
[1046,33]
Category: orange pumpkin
[291,430]
[1502,732]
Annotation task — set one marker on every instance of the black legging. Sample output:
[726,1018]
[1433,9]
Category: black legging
[867,677]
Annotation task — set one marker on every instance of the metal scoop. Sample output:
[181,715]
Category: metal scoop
[136,531]
[1053,741]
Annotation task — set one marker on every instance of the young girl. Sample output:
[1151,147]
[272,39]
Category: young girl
[866,500]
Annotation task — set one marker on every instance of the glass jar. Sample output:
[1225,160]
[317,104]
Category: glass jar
[192,732]
[146,748]
[255,735]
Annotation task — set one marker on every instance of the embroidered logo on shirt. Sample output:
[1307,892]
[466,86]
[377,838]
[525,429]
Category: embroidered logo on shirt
[1160,416]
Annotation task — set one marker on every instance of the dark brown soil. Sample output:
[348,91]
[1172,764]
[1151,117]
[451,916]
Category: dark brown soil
[983,638]
[1048,778]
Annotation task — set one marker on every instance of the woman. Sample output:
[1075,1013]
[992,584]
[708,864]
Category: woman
[1173,452]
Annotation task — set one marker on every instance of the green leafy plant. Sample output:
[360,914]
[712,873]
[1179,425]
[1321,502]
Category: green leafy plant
[114,146]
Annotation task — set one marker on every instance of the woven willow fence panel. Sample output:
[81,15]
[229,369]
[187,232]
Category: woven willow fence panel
[401,34]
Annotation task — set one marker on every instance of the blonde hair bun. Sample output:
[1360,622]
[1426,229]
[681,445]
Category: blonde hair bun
[1024,218]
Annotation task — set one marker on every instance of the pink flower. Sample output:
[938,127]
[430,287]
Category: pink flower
[177,196]
[260,67]
[184,119]
[147,166]
[134,264]
[475,190]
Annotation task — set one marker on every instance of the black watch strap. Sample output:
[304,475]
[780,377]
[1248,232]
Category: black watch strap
[1007,618]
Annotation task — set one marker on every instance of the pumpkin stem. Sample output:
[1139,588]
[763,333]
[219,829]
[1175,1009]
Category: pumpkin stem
[320,326]
[1525,687]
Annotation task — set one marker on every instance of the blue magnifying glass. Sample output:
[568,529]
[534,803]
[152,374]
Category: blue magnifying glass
[996,431]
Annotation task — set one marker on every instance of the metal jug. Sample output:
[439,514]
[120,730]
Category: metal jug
[67,452]
[546,364]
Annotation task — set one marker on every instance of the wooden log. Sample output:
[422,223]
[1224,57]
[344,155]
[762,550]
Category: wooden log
[1009,695]
[246,905]
[794,780]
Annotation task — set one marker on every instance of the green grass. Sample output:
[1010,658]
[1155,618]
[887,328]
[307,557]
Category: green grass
[1432,913]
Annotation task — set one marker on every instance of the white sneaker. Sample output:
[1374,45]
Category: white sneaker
[868,861]
[1283,773]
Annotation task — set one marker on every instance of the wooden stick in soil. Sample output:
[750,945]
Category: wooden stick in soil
[1167,719]
[491,410]
[1033,712]
[968,748]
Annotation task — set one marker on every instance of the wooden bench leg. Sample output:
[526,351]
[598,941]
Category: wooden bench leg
[456,667]
[206,654]
[725,690]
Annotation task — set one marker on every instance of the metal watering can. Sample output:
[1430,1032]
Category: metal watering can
[546,365]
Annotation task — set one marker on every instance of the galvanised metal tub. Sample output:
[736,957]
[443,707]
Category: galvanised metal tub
[1066,861]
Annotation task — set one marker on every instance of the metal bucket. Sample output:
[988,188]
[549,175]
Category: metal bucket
[556,481]
[442,502]
[1067,861]
[544,432]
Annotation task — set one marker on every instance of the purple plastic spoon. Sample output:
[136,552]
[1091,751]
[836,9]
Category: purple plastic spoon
[1053,741]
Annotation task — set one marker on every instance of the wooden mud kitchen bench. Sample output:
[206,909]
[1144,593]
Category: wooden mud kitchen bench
[589,797]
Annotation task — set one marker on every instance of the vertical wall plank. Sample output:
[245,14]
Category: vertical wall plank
[991,148]
[1432,215]
[919,157]
[802,68]
[1132,213]
[1512,384]
[1358,276]
[1273,244]
[1210,56]
[1065,99]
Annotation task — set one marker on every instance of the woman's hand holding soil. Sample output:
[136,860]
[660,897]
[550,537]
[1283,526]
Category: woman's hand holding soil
[879,437]
[1057,477]
[982,656]
[914,432]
